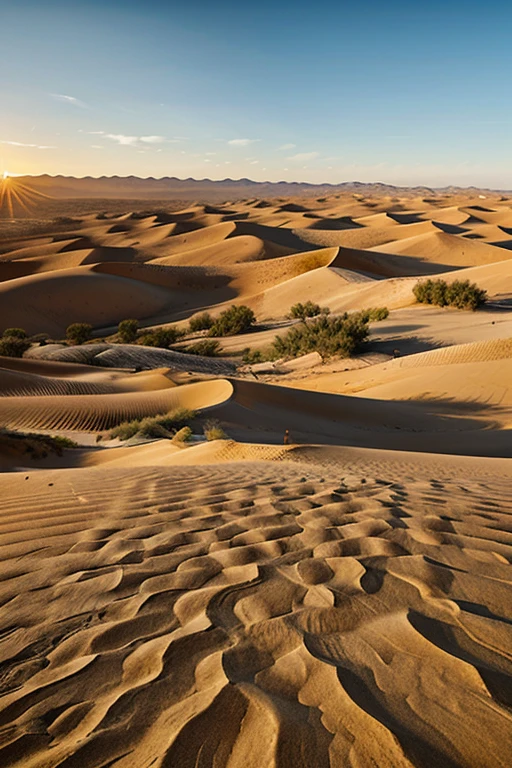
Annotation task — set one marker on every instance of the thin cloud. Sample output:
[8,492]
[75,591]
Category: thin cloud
[135,141]
[242,142]
[68,100]
[22,144]
[302,157]
[287,146]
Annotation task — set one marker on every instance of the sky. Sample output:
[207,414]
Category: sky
[398,92]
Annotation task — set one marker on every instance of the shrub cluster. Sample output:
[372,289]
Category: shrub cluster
[340,335]
[14,342]
[374,314]
[236,319]
[213,431]
[309,309]
[78,333]
[461,294]
[128,331]
[162,337]
[205,347]
[202,322]
[164,425]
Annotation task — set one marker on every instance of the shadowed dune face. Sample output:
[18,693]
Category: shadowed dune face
[326,618]
[328,586]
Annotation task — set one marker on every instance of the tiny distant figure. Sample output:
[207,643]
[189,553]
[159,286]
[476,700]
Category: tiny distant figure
[286,438]
[396,353]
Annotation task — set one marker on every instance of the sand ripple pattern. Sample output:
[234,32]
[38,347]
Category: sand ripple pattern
[253,614]
[92,413]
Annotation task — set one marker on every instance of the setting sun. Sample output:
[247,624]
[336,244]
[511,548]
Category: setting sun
[16,197]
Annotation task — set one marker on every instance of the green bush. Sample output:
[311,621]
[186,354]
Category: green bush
[309,309]
[340,335]
[460,294]
[14,333]
[163,425]
[202,322]
[78,333]
[127,330]
[252,356]
[13,346]
[236,319]
[162,337]
[374,314]
[183,435]
[213,431]
[206,347]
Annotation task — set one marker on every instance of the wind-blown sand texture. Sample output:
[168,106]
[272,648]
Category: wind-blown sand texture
[344,600]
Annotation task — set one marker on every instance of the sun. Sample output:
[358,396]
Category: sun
[16,196]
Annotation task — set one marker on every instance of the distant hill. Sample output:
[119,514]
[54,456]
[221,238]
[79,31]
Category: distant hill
[132,187]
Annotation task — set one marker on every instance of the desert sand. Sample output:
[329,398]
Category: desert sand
[341,600]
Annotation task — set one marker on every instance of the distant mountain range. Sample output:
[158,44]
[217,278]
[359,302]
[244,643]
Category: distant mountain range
[133,187]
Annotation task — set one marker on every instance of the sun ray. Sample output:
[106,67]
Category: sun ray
[17,196]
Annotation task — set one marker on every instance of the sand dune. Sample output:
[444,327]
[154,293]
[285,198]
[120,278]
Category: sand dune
[341,600]
[282,593]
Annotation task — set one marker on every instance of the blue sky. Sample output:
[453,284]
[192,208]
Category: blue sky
[327,91]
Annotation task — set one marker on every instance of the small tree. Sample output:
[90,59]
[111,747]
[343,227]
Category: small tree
[202,322]
[236,319]
[78,333]
[127,330]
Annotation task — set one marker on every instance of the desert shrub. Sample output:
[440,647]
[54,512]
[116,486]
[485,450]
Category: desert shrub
[461,294]
[465,295]
[163,425]
[341,335]
[127,330]
[13,346]
[78,333]
[14,333]
[162,337]
[125,430]
[252,356]
[202,322]
[206,347]
[309,309]
[236,319]
[212,430]
[183,435]
[374,314]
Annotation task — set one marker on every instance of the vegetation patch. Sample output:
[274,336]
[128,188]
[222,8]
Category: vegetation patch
[162,337]
[78,333]
[205,347]
[341,335]
[460,294]
[128,331]
[14,342]
[202,322]
[32,444]
[308,309]
[236,319]
[162,426]
[213,431]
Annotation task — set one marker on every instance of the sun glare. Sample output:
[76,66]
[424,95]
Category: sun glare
[15,196]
